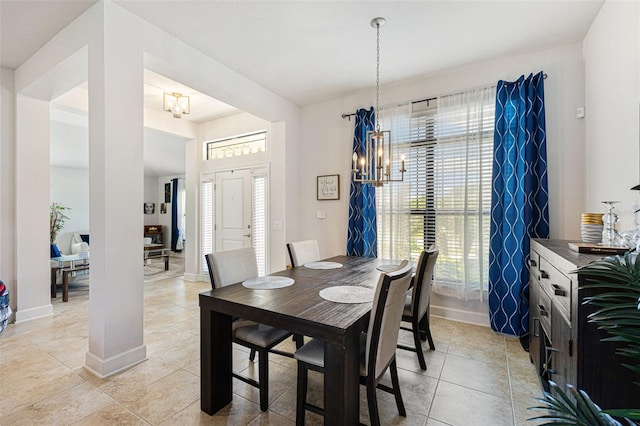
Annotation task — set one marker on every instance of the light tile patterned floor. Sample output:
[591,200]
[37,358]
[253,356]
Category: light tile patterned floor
[474,377]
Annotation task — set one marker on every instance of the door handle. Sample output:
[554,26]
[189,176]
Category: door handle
[246,235]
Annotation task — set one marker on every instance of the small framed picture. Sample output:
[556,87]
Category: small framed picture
[163,208]
[149,208]
[167,192]
[328,187]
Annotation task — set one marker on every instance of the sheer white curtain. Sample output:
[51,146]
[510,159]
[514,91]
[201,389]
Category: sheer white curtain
[392,200]
[463,153]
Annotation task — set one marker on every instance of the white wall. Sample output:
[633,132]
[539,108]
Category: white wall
[611,51]
[151,196]
[326,147]
[70,187]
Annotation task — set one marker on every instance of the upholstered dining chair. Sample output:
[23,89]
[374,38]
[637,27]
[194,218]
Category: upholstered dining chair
[377,347]
[416,309]
[301,252]
[230,267]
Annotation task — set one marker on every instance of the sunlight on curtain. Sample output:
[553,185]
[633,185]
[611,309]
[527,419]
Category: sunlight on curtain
[392,200]
[462,161]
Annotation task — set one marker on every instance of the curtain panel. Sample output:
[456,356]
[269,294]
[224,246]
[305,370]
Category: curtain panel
[362,230]
[462,157]
[519,202]
[392,200]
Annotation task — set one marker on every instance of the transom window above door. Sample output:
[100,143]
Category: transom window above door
[236,146]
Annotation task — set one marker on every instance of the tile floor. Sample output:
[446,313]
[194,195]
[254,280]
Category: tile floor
[474,377]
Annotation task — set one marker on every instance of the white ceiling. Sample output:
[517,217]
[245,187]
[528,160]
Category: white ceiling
[311,51]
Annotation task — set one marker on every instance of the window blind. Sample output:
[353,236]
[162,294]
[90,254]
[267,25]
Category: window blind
[259,219]
[206,226]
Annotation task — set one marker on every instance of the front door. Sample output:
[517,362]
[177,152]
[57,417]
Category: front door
[233,210]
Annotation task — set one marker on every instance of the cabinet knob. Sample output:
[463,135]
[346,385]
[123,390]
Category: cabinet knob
[543,311]
[544,274]
[533,263]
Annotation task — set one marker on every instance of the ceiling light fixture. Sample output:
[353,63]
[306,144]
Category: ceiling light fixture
[374,166]
[176,103]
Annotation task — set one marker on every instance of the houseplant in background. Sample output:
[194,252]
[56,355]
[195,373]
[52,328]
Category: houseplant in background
[618,313]
[57,218]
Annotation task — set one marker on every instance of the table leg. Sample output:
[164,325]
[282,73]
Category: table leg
[166,262]
[65,285]
[215,361]
[54,277]
[341,381]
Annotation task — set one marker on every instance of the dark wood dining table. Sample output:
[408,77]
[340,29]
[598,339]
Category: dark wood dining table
[300,309]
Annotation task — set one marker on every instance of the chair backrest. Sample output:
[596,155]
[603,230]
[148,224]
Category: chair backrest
[422,284]
[232,266]
[301,252]
[386,315]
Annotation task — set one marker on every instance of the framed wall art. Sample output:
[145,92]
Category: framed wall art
[328,187]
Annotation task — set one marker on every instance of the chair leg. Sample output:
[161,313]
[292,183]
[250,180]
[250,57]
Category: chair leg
[263,374]
[372,402]
[396,388]
[301,394]
[416,341]
[432,346]
[252,355]
[423,326]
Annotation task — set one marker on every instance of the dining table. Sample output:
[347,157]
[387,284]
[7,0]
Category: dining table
[301,309]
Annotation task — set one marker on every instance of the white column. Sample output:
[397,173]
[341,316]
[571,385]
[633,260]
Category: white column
[7,184]
[32,203]
[116,200]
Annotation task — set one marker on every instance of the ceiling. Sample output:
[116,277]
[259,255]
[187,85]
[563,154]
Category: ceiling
[310,51]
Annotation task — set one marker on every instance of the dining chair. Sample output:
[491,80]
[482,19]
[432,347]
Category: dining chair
[416,309]
[301,252]
[234,266]
[377,347]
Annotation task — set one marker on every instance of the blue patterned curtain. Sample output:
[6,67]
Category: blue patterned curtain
[519,200]
[175,231]
[361,235]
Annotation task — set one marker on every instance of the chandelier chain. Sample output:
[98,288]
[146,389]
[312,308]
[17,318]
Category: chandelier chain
[377,75]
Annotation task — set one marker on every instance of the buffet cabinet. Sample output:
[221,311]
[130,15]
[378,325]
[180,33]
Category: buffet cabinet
[564,347]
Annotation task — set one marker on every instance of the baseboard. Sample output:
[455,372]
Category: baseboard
[476,318]
[103,368]
[192,277]
[33,313]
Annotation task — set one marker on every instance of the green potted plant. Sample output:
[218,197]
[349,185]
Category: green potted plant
[618,313]
[57,219]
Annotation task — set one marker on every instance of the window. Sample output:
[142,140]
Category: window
[259,219]
[206,219]
[236,146]
[449,168]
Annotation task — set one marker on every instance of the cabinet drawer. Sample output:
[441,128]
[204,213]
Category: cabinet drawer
[557,285]
[544,311]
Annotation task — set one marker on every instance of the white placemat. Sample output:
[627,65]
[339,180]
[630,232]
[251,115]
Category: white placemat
[268,283]
[388,267]
[347,294]
[323,265]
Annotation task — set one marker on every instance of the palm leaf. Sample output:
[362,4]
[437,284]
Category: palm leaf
[617,308]
[563,411]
